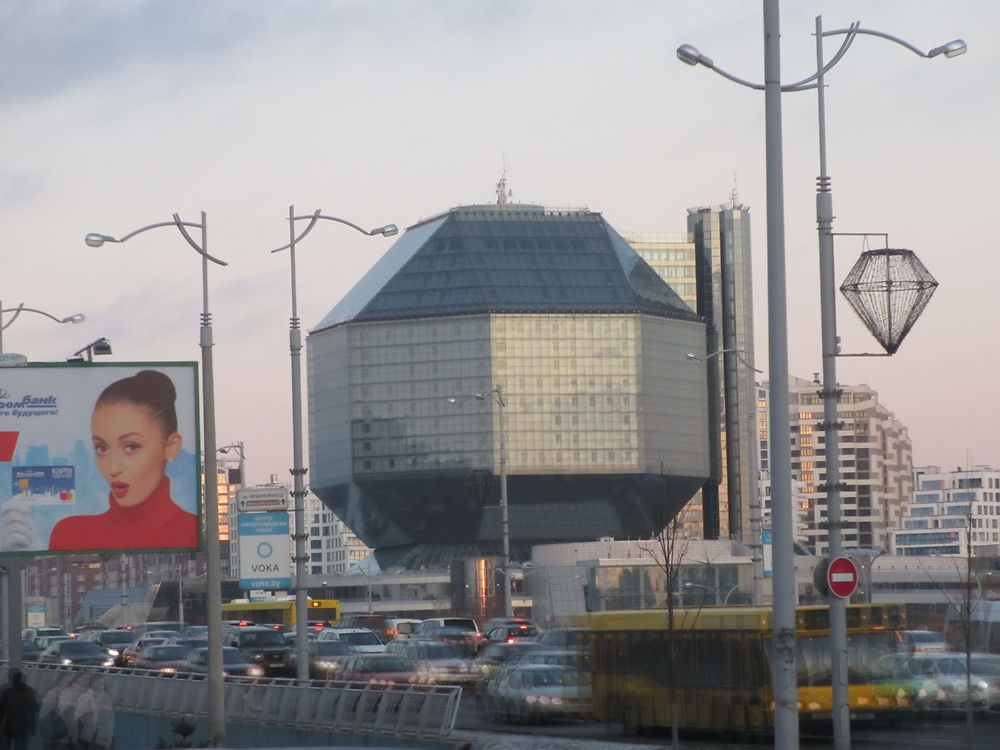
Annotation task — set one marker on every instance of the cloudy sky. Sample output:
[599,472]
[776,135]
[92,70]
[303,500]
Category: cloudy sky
[118,113]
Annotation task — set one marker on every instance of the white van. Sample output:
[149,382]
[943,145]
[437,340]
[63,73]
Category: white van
[400,627]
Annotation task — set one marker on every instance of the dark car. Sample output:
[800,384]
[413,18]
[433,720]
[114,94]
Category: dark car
[460,636]
[129,654]
[379,670]
[163,657]
[262,645]
[325,658]
[30,650]
[72,651]
[114,641]
[510,633]
[495,655]
[234,662]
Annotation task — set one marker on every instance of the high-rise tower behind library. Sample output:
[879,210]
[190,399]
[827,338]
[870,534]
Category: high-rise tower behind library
[710,269]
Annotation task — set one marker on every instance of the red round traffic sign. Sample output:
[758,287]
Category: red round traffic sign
[842,577]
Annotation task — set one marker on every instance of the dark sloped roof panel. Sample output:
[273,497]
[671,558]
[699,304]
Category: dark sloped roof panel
[508,258]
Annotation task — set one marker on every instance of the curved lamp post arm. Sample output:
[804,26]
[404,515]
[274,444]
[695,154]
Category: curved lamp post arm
[96,239]
[77,318]
[738,352]
[690,55]
[388,230]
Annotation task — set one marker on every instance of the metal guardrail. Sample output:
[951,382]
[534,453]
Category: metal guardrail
[418,710]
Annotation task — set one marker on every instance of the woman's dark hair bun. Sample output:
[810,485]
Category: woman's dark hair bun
[150,389]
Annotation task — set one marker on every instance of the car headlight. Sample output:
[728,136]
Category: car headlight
[255,672]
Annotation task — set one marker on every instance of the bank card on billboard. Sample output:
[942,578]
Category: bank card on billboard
[99,457]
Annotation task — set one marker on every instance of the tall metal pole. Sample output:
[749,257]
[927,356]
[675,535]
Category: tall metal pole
[831,392]
[298,470]
[508,603]
[786,718]
[216,688]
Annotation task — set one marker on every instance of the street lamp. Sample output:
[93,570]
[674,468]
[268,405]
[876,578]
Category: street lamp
[238,447]
[100,347]
[298,469]
[496,394]
[781,471]
[738,356]
[217,703]
[77,318]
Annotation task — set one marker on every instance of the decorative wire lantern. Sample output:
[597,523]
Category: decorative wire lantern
[889,289]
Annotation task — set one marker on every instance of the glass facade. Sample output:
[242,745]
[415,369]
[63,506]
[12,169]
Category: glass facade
[604,418]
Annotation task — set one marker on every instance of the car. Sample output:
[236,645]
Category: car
[29,650]
[195,631]
[42,642]
[375,623]
[494,622]
[162,657]
[566,658]
[920,641]
[325,658]
[433,623]
[510,633]
[235,663]
[128,655]
[536,692]
[401,627]
[114,641]
[262,645]
[938,680]
[44,630]
[467,639]
[495,655]
[438,662]
[362,639]
[77,653]
[378,670]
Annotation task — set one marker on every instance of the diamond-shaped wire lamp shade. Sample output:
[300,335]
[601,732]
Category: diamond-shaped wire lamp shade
[889,289]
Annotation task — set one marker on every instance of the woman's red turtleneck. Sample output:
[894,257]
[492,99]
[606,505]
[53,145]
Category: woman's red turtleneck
[155,523]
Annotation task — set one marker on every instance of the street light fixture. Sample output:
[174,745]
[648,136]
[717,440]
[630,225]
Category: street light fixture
[77,318]
[217,704]
[298,469]
[100,347]
[784,603]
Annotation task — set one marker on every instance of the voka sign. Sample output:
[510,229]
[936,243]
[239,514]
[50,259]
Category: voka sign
[265,562]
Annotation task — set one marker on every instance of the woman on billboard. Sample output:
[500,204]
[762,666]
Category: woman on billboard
[134,434]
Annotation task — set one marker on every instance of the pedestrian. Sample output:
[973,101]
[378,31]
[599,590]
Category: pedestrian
[18,712]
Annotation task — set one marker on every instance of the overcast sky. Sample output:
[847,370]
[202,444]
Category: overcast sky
[115,114]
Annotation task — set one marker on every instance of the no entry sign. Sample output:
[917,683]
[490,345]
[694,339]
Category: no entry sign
[842,577]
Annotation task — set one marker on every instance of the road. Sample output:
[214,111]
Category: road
[934,732]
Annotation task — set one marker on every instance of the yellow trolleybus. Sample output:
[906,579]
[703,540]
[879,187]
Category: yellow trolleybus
[282,611]
[721,666]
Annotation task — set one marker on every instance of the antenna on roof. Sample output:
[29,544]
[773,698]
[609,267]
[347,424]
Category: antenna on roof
[734,197]
[503,192]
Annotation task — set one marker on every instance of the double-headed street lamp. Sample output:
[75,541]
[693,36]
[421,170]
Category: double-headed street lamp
[784,582]
[298,468]
[217,704]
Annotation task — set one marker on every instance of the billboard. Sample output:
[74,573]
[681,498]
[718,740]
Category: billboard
[99,457]
[264,560]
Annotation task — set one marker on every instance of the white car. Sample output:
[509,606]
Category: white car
[363,640]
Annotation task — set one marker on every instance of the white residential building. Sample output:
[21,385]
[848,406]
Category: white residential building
[876,464]
[946,506]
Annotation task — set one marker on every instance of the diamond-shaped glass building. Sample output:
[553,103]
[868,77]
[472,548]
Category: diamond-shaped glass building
[606,416]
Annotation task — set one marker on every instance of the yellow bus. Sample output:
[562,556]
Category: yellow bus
[721,666]
[281,611]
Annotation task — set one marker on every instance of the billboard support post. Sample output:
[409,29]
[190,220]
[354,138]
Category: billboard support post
[216,701]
